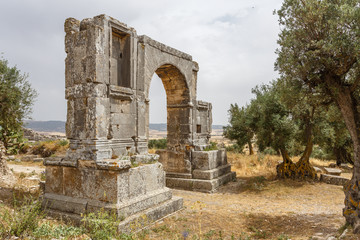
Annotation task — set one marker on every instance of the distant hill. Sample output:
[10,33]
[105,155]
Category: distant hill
[158,126]
[59,126]
[46,126]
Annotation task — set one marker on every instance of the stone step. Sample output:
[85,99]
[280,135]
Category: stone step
[151,215]
[333,171]
[134,222]
[213,173]
[334,180]
[200,185]
[81,205]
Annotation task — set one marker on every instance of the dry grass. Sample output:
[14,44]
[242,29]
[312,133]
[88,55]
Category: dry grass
[264,165]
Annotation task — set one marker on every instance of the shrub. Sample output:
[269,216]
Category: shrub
[101,225]
[46,230]
[22,220]
[212,146]
[157,143]
[234,148]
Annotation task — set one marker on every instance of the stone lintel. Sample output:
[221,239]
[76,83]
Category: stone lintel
[121,93]
[162,47]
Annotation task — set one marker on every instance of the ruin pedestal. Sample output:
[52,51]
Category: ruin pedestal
[131,192]
[207,171]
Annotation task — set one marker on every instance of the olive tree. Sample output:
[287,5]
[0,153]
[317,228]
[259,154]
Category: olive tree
[320,46]
[16,100]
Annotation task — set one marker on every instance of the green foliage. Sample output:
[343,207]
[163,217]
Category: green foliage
[16,99]
[234,148]
[48,231]
[320,50]
[101,225]
[22,221]
[157,143]
[212,146]
[241,125]
[63,142]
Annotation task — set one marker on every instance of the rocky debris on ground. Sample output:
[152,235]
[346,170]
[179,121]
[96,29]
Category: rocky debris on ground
[333,171]
[345,166]
[29,158]
[333,179]
[321,236]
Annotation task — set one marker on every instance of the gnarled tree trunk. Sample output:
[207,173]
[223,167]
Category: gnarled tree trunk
[342,156]
[251,151]
[303,166]
[348,107]
[287,168]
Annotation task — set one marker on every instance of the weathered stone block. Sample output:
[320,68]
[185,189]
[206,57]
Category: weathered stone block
[333,171]
[173,161]
[137,185]
[54,179]
[332,179]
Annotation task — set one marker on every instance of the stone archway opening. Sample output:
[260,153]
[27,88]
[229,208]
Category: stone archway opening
[177,106]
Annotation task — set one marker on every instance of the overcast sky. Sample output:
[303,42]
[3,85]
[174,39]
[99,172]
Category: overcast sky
[232,40]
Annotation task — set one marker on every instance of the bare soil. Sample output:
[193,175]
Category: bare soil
[261,210]
[251,207]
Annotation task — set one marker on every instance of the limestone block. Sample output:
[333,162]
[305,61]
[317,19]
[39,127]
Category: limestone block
[332,179]
[122,119]
[54,179]
[122,106]
[72,182]
[333,171]
[154,177]
[205,160]
[123,186]
[137,185]
[99,185]
[97,118]
[174,161]
[122,131]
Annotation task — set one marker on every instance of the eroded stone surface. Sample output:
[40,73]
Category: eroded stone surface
[108,71]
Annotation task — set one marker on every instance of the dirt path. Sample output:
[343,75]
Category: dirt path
[274,210]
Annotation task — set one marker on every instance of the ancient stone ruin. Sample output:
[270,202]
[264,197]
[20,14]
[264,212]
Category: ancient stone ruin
[108,74]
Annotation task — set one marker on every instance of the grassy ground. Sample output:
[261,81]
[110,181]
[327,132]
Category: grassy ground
[255,206]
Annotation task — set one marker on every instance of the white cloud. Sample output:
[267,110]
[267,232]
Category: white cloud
[233,41]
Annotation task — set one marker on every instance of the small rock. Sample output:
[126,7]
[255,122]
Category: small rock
[11,158]
[17,160]
[331,238]
[38,159]
[318,170]
[345,166]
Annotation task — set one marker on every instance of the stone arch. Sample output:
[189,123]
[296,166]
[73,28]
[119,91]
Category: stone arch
[177,103]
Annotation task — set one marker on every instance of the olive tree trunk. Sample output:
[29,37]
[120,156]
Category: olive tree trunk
[348,107]
[286,169]
[303,166]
